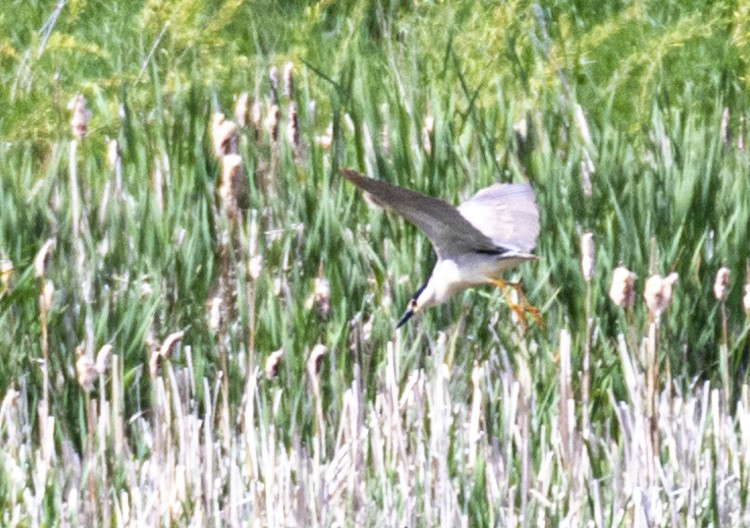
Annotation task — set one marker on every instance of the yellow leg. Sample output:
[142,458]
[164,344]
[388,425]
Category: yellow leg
[523,306]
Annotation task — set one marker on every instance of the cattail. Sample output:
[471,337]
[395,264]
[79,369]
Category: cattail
[233,190]
[256,117]
[79,122]
[224,135]
[170,344]
[273,76]
[292,128]
[102,358]
[86,372]
[315,358]
[41,261]
[272,363]
[158,353]
[587,256]
[621,290]
[658,293]
[272,122]
[242,109]
[721,284]
[321,297]
[288,77]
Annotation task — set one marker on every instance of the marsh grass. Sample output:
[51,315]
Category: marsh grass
[458,419]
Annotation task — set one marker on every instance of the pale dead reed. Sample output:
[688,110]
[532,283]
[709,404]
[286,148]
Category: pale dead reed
[721,288]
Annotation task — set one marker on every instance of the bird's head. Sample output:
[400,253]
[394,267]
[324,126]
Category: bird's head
[423,298]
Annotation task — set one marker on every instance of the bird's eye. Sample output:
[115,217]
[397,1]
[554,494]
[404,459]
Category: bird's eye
[413,304]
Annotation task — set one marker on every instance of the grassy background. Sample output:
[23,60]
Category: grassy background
[460,418]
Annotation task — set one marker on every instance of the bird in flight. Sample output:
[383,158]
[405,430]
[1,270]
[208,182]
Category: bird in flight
[475,242]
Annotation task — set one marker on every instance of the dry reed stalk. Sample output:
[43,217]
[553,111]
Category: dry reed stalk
[288,77]
[158,181]
[313,366]
[721,288]
[658,296]
[587,268]
[223,135]
[477,374]
[46,295]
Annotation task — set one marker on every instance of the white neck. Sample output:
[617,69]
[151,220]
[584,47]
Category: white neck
[444,282]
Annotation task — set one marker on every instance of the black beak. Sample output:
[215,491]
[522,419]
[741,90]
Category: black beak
[407,315]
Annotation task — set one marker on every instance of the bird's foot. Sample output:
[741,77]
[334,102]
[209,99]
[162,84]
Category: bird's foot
[523,306]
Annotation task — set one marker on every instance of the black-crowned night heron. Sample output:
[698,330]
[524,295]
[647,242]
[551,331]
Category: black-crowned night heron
[475,242]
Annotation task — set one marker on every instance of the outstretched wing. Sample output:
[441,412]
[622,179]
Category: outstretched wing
[507,214]
[450,232]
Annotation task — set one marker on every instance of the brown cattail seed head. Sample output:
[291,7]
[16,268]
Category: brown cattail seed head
[321,297]
[658,293]
[621,290]
[721,284]
[256,117]
[79,122]
[242,109]
[170,344]
[288,77]
[273,76]
[272,363]
[234,190]
[272,122]
[315,358]
[158,353]
[587,256]
[224,135]
[292,127]
[102,358]
[41,261]
[86,372]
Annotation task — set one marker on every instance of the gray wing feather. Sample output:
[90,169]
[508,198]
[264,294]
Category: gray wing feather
[506,213]
[450,232]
